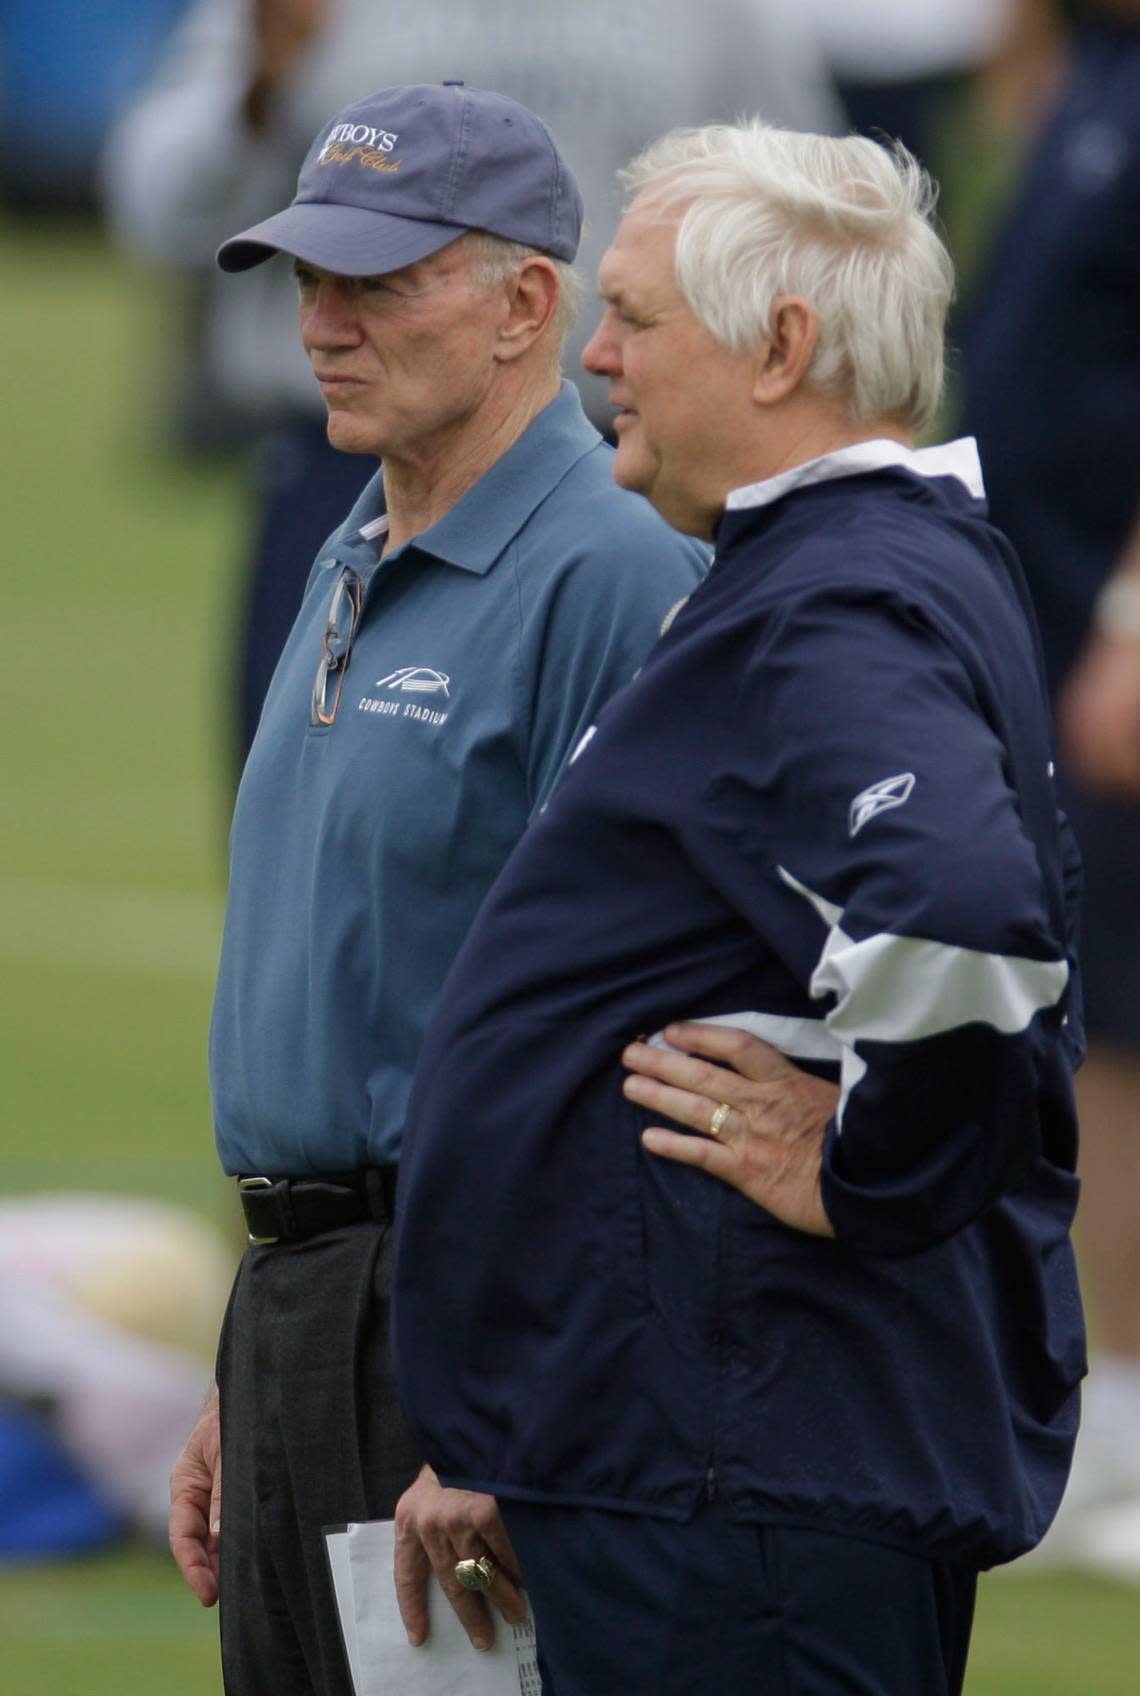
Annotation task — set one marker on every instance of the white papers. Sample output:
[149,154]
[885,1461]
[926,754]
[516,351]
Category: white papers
[383,1662]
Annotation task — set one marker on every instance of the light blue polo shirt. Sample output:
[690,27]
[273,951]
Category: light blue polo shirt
[361,849]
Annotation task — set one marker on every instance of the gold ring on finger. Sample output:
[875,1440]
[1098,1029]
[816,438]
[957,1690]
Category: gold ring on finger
[476,1575]
[717,1122]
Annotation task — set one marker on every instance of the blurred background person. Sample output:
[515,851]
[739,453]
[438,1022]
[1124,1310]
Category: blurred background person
[1051,389]
[215,143]
[111,1307]
[959,81]
[896,63]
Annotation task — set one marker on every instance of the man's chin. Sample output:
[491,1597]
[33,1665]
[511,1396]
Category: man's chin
[671,503]
[628,473]
[345,434]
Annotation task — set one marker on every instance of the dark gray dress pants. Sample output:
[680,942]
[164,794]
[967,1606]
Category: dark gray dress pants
[312,1436]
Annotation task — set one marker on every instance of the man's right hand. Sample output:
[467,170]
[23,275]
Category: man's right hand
[435,1528]
[195,1504]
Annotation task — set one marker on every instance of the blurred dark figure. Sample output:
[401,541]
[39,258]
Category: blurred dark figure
[216,143]
[1051,389]
[898,66]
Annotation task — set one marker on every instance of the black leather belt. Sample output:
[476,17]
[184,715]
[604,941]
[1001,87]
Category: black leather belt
[286,1210]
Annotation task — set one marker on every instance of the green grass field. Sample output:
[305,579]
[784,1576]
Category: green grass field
[119,605]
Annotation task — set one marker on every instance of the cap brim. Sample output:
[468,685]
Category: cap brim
[348,240]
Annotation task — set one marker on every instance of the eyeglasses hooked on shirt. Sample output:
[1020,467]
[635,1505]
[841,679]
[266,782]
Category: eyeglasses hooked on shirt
[336,646]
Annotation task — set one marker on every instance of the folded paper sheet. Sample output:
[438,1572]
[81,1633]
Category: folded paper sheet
[383,1662]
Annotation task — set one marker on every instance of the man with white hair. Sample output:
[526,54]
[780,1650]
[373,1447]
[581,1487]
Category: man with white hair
[760,1394]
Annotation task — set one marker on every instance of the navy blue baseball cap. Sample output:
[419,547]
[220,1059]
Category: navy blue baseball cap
[401,173]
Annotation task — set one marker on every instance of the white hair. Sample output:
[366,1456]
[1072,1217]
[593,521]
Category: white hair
[494,260]
[843,222]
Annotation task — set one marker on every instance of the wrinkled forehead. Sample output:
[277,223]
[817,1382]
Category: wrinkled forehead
[641,255]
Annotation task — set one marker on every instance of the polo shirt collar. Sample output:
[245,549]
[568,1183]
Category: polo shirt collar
[491,514]
[474,533]
[957,459]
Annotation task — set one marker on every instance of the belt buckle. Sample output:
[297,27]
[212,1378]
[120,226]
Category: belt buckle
[245,1184]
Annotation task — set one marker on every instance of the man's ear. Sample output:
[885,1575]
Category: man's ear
[533,300]
[785,358]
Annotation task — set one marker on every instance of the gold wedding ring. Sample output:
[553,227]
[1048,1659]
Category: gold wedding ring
[717,1122]
[476,1575]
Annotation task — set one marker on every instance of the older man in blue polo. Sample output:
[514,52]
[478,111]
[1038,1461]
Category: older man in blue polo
[459,632]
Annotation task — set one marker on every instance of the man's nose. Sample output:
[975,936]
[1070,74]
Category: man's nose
[330,317]
[601,355]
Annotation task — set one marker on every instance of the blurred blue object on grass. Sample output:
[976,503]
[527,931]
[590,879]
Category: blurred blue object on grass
[47,1507]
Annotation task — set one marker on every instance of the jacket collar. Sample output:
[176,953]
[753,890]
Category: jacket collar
[957,459]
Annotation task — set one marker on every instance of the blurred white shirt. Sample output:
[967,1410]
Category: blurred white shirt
[109,1313]
[890,40]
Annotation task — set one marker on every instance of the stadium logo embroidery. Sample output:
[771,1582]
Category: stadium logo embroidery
[416,680]
[877,798]
[409,680]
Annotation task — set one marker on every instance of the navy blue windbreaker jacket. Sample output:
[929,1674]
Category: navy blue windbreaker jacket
[824,811]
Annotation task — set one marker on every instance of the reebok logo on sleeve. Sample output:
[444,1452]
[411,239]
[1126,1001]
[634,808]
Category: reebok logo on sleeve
[876,798]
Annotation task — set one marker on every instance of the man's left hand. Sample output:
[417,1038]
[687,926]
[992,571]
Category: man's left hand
[436,1528]
[762,1120]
